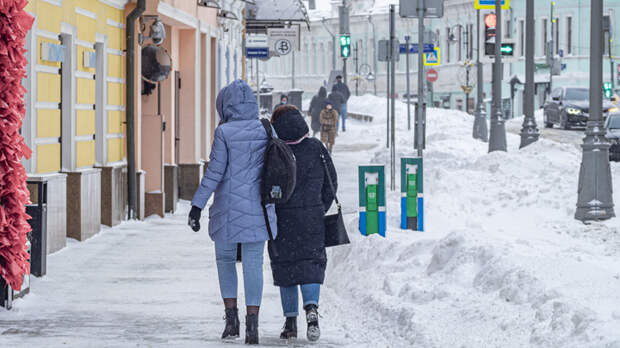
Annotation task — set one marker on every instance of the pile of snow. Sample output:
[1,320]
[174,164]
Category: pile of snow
[502,262]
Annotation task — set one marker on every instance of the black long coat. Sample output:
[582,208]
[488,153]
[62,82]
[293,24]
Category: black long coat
[316,106]
[337,100]
[301,232]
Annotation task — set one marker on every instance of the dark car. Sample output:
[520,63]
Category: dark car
[569,107]
[612,127]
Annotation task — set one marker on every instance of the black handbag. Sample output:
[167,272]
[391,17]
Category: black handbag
[335,231]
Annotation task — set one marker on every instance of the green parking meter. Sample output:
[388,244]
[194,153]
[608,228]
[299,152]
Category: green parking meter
[412,196]
[372,200]
[412,191]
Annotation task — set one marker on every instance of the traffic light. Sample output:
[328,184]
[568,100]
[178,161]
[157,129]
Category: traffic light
[490,21]
[507,49]
[607,89]
[345,46]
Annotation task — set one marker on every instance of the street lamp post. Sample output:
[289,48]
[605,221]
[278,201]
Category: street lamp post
[480,119]
[595,200]
[497,141]
[529,132]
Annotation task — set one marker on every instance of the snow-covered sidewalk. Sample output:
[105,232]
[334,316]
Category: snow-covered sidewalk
[151,284]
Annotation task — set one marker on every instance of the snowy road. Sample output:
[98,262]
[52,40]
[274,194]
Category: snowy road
[502,263]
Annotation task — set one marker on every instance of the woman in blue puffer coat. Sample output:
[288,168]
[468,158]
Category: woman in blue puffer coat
[236,216]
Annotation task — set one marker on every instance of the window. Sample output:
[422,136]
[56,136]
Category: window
[447,48]
[556,35]
[606,30]
[569,35]
[508,28]
[460,43]
[544,36]
[521,38]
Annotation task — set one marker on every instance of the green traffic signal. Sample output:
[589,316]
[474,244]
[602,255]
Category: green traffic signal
[345,46]
[507,49]
[607,89]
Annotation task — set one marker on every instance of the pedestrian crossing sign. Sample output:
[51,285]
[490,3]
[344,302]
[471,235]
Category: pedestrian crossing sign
[490,4]
[432,58]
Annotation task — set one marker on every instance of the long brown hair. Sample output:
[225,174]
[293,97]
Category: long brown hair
[281,110]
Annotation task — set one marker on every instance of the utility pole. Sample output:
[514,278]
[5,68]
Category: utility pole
[387,87]
[611,58]
[293,69]
[497,141]
[420,114]
[480,120]
[393,90]
[420,50]
[375,67]
[357,69]
[551,49]
[595,200]
[529,131]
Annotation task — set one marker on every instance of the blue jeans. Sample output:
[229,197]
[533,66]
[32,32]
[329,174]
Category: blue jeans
[252,259]
[343,116]
[290,297]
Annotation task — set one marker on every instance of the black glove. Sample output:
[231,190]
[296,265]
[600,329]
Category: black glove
[194,218]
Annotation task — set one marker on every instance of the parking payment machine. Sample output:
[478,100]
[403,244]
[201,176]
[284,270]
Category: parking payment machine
[412,197]
[372,200]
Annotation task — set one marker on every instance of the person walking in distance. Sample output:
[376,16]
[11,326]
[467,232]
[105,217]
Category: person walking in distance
[343,89]
[301,260]
[236,216]
[283,101]
[316,106]
[329,125]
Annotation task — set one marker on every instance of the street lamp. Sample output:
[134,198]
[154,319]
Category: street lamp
[595,199]
[529,131]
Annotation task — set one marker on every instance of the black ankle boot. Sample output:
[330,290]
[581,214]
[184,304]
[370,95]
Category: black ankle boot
[232,324]
[251,329]
[290,328]
[312,318]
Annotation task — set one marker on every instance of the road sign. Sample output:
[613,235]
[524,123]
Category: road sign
[433,58]
[283,40]
[490,4]
[432,75]
[413,48]
[432,8]
[257,52]
[257,46]
[383,54]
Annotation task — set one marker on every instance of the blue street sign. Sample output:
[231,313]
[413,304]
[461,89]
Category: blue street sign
[407,37]
[257,52]
[413,48]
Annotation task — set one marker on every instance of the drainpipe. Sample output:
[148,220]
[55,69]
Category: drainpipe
[129,109]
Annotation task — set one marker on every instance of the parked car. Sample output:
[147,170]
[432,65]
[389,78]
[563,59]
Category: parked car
[569,106]
[612,126]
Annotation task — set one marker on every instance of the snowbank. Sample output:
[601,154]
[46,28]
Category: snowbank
[503,263]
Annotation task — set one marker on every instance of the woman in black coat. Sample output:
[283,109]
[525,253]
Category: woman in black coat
[316,106]
[300,244]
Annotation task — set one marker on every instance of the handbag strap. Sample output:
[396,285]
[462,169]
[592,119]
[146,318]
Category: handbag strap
[331,183]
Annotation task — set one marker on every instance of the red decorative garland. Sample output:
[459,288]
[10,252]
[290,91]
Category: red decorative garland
[14,25]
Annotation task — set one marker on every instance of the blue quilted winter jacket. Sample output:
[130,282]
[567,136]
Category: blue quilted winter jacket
[234,171]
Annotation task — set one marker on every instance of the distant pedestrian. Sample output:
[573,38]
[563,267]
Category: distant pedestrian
[283,101]
[316,106]
[301,259]
[329,125]
[236,216]
[338,101]
[346,93]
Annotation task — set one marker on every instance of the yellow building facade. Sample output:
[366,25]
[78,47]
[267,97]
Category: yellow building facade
[75,113]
